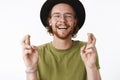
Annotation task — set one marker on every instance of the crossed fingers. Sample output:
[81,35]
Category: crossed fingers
[91,43]
[91,39]
[27,48]
[90,47]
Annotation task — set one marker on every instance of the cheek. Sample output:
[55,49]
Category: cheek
[71,24]
[53,23]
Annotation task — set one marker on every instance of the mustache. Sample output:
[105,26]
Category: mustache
[62,26]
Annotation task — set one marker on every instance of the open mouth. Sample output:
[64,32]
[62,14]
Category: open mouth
[62,27]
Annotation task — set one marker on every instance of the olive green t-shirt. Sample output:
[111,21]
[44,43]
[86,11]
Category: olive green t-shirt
[55,64]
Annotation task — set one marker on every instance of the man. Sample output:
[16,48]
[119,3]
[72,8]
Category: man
[62,58]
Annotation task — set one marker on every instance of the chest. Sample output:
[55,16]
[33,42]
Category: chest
[62,67]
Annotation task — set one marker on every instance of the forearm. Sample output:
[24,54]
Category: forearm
[93,73]
[31,76]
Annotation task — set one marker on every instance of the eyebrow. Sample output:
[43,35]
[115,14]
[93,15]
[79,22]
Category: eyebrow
[64,13]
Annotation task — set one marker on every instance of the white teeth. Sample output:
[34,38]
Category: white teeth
[62,27]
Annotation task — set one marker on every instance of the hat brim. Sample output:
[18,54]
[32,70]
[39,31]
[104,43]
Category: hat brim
[76,4]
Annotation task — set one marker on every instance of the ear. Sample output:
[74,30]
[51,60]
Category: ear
[49,21]
[76,22]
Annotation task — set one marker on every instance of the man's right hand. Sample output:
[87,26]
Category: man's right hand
[30,54]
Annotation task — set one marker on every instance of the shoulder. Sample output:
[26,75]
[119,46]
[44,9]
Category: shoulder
[80,43]
[43,45]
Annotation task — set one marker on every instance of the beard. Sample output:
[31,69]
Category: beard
[63,33]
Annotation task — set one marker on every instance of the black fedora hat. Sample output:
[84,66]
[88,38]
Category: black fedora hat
[76,4]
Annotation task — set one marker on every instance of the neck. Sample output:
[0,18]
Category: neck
[62,43]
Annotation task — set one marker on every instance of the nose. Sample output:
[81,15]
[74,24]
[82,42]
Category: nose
[62,18]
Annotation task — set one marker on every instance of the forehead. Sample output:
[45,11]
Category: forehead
[62,8]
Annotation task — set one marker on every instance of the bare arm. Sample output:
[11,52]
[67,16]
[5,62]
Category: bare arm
[93,73]
[30,56]
[31,76]
[89,55]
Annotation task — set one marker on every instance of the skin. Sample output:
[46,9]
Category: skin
[64,33]
[30,57]
[62,40]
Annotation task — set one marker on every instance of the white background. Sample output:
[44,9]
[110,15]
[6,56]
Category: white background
[21,17]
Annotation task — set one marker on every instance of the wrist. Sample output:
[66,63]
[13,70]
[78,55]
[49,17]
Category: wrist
[91,66]
[31,70]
